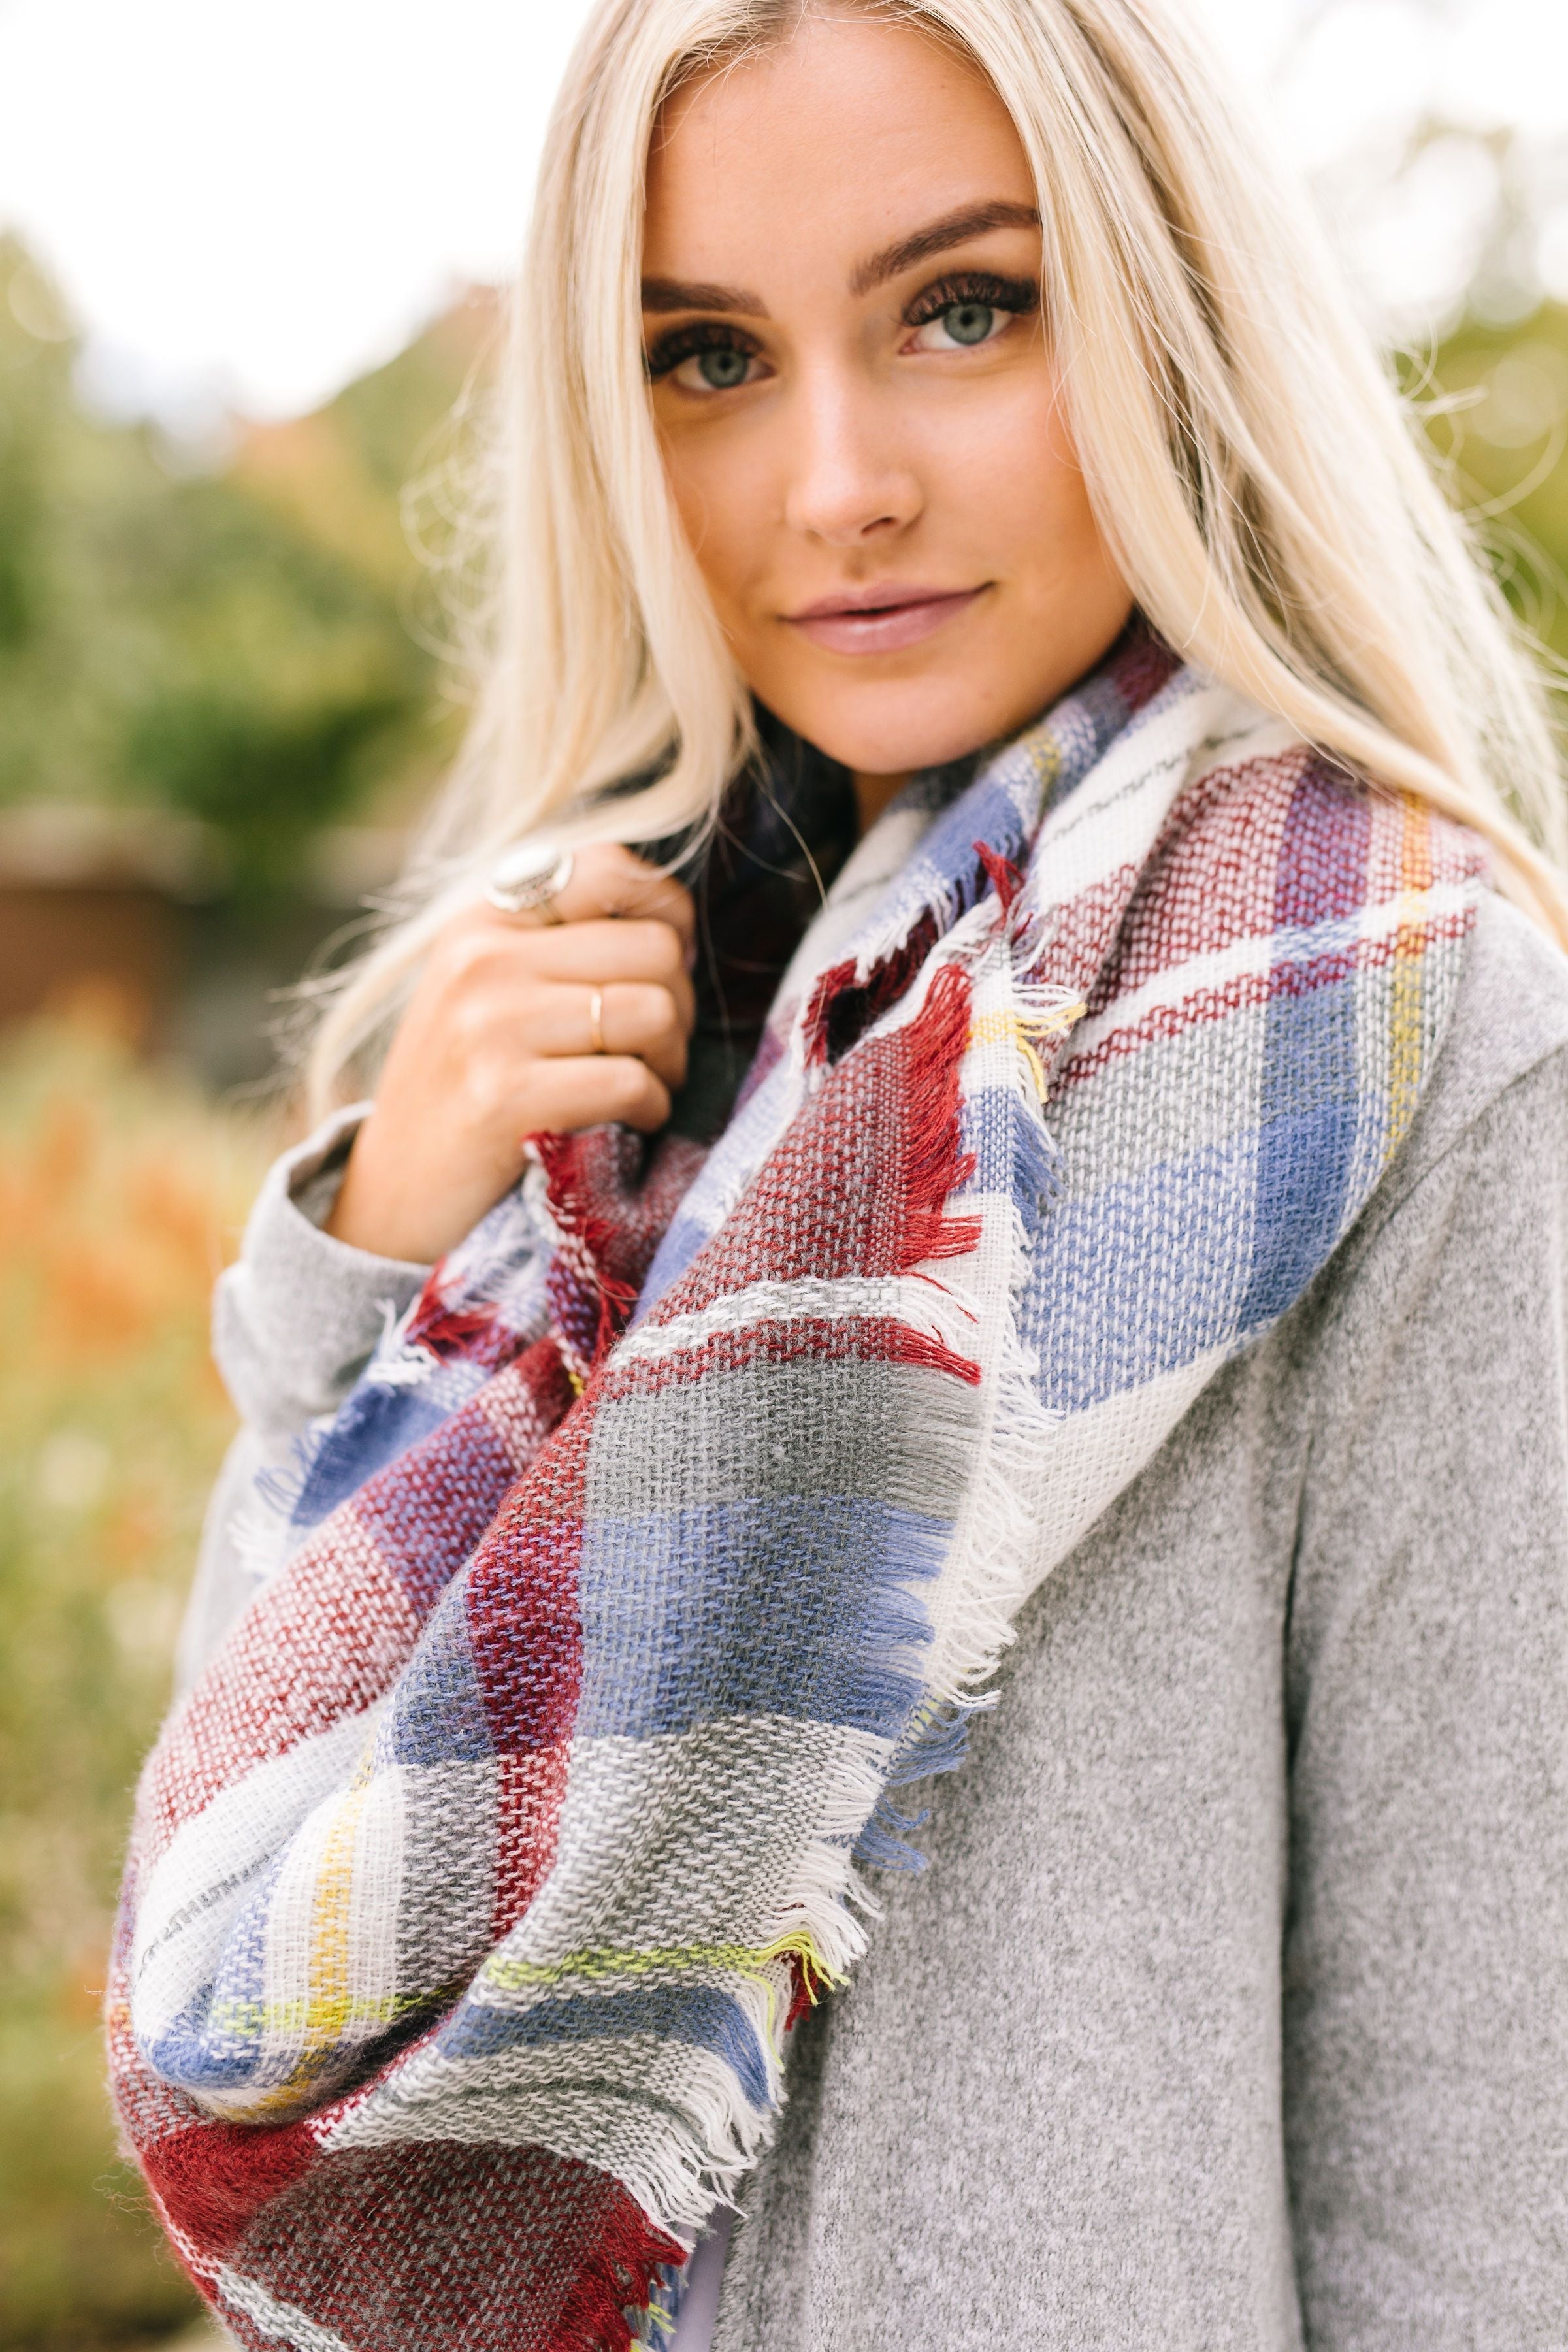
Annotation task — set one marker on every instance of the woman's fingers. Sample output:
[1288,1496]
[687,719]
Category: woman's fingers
[574,1091]
[492,956]
[599,952]
[498,1041]
[608,880]
[637,1017]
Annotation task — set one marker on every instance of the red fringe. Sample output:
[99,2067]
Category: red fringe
[448,1330]
[808,1986]
[918,1347]
[934,1166]
[599,1233]
[1005,878]
[627,2253]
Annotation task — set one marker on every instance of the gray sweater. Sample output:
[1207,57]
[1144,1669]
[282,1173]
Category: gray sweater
[1233,2008]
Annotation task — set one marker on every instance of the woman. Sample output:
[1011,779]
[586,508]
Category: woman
[994,484]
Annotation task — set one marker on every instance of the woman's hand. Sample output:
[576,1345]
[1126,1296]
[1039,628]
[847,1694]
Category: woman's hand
[498,1044]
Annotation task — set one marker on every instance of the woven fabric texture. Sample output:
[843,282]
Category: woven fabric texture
[680,1525]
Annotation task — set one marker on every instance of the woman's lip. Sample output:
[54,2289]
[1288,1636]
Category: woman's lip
[883,627]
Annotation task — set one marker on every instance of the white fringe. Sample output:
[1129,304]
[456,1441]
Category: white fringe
[991,1569]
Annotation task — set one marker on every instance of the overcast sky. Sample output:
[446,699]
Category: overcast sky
[248,204]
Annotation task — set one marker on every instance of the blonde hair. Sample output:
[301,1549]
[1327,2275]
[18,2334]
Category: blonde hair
[1250,464]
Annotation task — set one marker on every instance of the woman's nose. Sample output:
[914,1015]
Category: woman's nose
[846,484]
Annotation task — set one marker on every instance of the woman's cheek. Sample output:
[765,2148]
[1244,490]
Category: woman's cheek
[715,487]
[1001,459]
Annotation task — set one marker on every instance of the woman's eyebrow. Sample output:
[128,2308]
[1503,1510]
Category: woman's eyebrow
[686,294]
[936,237]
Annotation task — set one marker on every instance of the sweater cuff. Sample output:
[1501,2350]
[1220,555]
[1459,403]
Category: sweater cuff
[295,1320]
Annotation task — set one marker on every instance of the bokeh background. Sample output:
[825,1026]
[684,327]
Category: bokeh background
[248,260]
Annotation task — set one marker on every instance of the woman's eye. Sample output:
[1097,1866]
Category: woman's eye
[961,324]
[722,368]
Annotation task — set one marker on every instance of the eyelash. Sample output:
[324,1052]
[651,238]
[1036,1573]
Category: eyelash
[1018,295]
[685,343]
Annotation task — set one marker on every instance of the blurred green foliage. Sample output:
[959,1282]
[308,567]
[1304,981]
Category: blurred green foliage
[1496,400]
[230,642]
[120,1193]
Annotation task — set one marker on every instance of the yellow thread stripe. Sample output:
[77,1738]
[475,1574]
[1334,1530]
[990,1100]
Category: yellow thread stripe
[1047,758]
[746,1960]
[1004,1026]
[318,2017]
[329,2006]
[303,2014]
[330,1998]
[1405,987]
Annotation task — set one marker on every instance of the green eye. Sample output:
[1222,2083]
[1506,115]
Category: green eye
[969,322]
[723,369]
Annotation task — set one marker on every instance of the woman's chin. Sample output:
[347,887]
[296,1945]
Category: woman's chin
[885,737]
[915,716]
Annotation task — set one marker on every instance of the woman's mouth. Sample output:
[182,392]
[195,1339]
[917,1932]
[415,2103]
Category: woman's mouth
[879,620]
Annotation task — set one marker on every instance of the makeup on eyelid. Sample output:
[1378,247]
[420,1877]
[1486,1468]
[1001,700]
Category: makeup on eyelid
[956,290]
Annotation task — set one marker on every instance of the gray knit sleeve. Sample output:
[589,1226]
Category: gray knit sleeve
[293,1322]
[298,1314]
[1426,1988]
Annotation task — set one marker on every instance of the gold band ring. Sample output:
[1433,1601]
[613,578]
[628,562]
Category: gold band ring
[596,1021]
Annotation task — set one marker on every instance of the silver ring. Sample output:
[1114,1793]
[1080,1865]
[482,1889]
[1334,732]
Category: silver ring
[530,879]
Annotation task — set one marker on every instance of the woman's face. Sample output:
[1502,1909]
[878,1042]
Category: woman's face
[858,407]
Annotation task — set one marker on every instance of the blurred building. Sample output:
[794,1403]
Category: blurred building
[123,915]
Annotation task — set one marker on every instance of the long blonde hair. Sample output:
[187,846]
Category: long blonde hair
[1251,462]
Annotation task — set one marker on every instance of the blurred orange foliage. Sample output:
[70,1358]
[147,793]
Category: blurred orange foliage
[121,1192]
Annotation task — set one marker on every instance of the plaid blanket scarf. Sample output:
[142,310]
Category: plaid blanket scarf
[682,1523]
